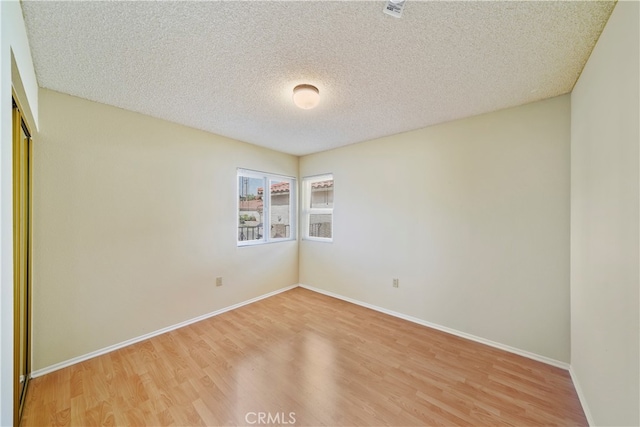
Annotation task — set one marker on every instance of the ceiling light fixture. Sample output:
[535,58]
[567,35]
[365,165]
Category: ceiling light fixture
[306,96]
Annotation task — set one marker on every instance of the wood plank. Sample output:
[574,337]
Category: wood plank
[326,361]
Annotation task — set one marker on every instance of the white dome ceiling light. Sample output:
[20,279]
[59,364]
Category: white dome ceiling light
[306,96]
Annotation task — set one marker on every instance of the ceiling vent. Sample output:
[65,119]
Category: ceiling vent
[394,8]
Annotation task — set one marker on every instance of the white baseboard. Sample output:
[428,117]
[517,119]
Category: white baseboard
[544,359]
[581,396]
[527,354]
[73,361]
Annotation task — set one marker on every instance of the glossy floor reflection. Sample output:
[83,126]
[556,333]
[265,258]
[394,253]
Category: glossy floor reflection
[301,358]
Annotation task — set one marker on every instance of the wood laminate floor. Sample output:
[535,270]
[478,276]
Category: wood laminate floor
[302,358]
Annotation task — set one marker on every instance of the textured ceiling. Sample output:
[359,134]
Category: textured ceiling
[230,67]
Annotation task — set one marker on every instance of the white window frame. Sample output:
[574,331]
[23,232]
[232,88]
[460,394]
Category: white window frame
[307,210]
[267,179]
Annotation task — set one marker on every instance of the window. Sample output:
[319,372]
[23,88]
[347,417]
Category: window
[317,209]
[265,216]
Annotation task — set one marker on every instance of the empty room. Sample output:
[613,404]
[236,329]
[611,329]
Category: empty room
[395,212]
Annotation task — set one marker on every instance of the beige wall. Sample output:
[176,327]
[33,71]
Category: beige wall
[605,323]
[472,216]
[134,218]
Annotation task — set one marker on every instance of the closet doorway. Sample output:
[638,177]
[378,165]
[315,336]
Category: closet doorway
[22,147]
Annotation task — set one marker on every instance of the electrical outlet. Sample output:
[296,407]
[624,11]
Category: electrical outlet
[218,281]
[396,283]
